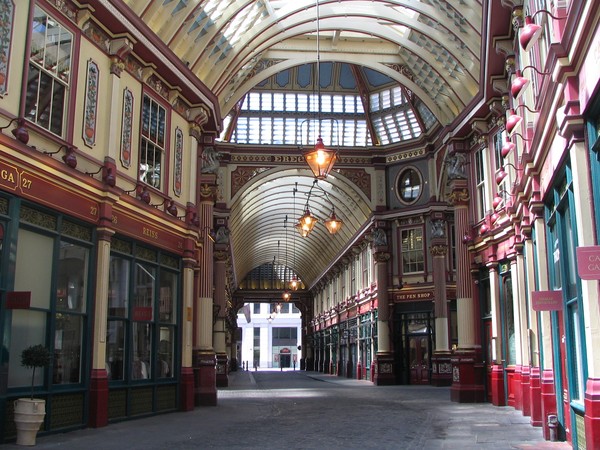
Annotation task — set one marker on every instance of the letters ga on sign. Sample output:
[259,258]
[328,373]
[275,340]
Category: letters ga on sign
[546,300]
[588,262]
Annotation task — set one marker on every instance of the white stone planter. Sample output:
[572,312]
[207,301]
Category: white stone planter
[29,415]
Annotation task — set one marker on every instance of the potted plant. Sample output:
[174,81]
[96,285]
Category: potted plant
[30,412]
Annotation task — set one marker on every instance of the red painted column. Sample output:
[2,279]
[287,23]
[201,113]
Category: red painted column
[517,388]
[468,371]
[525,390]
[535,396]
[592,413]
[497,387]
[221,256]
[204,358]
[548,399]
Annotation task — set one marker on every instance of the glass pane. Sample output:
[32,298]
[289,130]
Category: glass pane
[141,362]
[71,277]
[33,271]
[30,327]
[143,292]
[115,344]
[168,295]
[165,352]
[118,287]
[67,349]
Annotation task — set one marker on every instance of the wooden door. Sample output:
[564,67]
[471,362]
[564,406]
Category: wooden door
[419,359]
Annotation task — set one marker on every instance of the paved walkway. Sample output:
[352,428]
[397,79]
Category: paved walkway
[308,410]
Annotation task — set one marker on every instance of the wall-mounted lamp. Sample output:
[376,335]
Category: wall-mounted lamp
[509,145]
[499,199]
[531,31]
[501,173]
[70,158]
[108,176]
[171,208]
[20,132]
[141,193]
[514,119]
[520,83]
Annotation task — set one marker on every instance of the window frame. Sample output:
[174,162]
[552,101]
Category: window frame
[412,251]
[30,64]
[163,178]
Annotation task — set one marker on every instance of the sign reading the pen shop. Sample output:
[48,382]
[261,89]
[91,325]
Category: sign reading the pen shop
[588,262]
[546,300]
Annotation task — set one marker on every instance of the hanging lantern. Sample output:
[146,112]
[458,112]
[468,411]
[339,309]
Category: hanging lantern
[320,159]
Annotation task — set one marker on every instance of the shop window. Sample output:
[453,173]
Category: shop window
[562,242]
[142,319]
[55,270]
[413,257]
[152,142]
[50,71]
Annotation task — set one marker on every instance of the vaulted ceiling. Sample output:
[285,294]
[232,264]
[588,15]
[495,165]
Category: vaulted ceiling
[432,48]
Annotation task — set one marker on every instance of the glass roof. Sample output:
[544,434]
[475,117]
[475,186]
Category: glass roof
[287,110]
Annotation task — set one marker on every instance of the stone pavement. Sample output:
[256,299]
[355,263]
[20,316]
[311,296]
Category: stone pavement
[309,410]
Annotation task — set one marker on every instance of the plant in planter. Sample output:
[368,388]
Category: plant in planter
[30,412]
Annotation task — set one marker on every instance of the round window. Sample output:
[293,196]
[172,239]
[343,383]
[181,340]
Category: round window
[409,185]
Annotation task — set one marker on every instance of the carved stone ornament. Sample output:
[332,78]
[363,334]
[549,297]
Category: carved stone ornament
[381,257]
[459,196]
[220,256]
[207,192]
[438,250]
[456,166]
[438,229]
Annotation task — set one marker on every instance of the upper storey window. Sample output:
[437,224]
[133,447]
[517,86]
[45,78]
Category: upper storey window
[152,142]
[49,73]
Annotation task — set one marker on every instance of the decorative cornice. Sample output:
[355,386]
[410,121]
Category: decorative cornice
[408,154]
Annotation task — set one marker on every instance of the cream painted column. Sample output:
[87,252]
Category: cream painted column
[384,359]
[497,367]
[190,266]
[99,376]
[441,372]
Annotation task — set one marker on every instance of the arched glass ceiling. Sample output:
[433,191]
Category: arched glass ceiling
[351,105]
[431,47]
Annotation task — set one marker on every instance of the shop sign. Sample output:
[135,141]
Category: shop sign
[546,300]
[414,296]
[588,262]
[18,300]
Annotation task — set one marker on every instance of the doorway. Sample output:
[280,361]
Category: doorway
[419,359]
